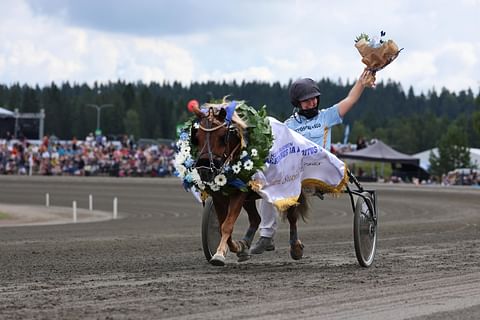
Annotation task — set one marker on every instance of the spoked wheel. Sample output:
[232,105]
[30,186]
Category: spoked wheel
[211,234]
[365,230]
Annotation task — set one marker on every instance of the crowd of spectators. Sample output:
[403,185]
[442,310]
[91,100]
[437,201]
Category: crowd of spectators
[464,177]
[94,156]
[98,156]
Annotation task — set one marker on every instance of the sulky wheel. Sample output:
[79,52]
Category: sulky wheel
[364,230]
[211,234]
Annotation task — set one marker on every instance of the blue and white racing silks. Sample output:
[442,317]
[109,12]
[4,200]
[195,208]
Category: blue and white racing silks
[316,129]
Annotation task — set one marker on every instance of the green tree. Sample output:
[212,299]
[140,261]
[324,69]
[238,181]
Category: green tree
[408,122]
[132,123]
[453,152]
[476,121]
[359,129]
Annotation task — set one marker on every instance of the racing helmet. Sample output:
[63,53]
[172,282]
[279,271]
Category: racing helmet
[303,89]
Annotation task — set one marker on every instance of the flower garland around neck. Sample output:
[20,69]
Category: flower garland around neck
[237,174]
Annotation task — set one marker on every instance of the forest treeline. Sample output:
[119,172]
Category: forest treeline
[408,122]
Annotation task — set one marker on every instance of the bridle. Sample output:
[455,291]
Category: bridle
[227,156]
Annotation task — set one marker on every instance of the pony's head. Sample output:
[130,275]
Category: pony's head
[217,137]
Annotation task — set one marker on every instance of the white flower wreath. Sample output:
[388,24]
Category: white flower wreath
[236,176]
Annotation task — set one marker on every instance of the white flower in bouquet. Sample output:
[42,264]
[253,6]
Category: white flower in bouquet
[196,176]
[182,143]
[185,149]
[201,185]
[181,171]
[179,158]
[220,180]
[214,187]
[254,153]
[248,165]
[237,167]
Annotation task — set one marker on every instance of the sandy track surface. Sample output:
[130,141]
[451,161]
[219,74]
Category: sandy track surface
[148,264]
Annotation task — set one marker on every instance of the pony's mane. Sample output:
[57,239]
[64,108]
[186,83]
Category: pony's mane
[235,117]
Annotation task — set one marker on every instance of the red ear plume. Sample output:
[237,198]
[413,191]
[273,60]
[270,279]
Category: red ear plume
[193,105]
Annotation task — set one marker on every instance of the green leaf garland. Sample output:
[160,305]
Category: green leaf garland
[238,174]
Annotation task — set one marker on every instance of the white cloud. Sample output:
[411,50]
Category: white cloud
[282,64]
[278,41]
[38,50]
[453,65]
[458,55]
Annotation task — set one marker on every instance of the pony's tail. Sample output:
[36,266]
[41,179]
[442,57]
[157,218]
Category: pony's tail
[299,210]
[302,209]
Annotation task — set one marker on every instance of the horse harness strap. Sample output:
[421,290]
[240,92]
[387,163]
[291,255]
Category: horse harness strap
[230,155]
[212,129]
[207,144]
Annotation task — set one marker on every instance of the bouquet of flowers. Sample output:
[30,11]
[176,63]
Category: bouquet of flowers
[376,53]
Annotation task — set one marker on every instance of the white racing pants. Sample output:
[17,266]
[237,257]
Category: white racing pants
[269,214]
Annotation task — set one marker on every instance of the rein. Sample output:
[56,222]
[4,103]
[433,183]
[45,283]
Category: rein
[212,129]
[230,156]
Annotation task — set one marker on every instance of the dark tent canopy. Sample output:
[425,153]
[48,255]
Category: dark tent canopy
[7,123]
[380,152]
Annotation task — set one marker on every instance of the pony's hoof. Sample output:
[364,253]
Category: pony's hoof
[243,253]
[218,260]
[243,256]
[296,250]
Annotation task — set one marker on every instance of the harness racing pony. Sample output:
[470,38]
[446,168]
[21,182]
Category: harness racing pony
[221,137]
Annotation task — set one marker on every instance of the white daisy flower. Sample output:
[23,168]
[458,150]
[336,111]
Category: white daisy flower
[220,180]
[185,149]
[201,186]
[196,176]
[248,165]
[196,125]
[181,171]
[236,168]
[214,187]
[180,158]
[244,154]
[254,152]
[182,144]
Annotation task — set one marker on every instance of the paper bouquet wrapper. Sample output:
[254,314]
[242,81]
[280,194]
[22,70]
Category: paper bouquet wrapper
[377,58]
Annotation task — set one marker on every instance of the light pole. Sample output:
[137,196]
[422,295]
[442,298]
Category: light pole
[99,109]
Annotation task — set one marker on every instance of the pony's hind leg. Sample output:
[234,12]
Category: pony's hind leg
[254,220]
[243,252]
[296,246]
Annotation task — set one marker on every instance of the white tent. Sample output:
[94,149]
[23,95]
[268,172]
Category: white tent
[5,113]
[475,156]
[425,155]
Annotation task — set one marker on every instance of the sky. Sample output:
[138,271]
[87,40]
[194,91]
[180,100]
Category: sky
[83,41]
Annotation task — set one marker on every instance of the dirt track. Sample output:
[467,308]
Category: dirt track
[149,263]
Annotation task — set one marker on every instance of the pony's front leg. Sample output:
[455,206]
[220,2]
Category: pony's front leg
[234,208]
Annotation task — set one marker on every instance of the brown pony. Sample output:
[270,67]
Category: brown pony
[219,144]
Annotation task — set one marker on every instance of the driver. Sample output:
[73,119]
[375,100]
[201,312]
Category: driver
[313,124]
